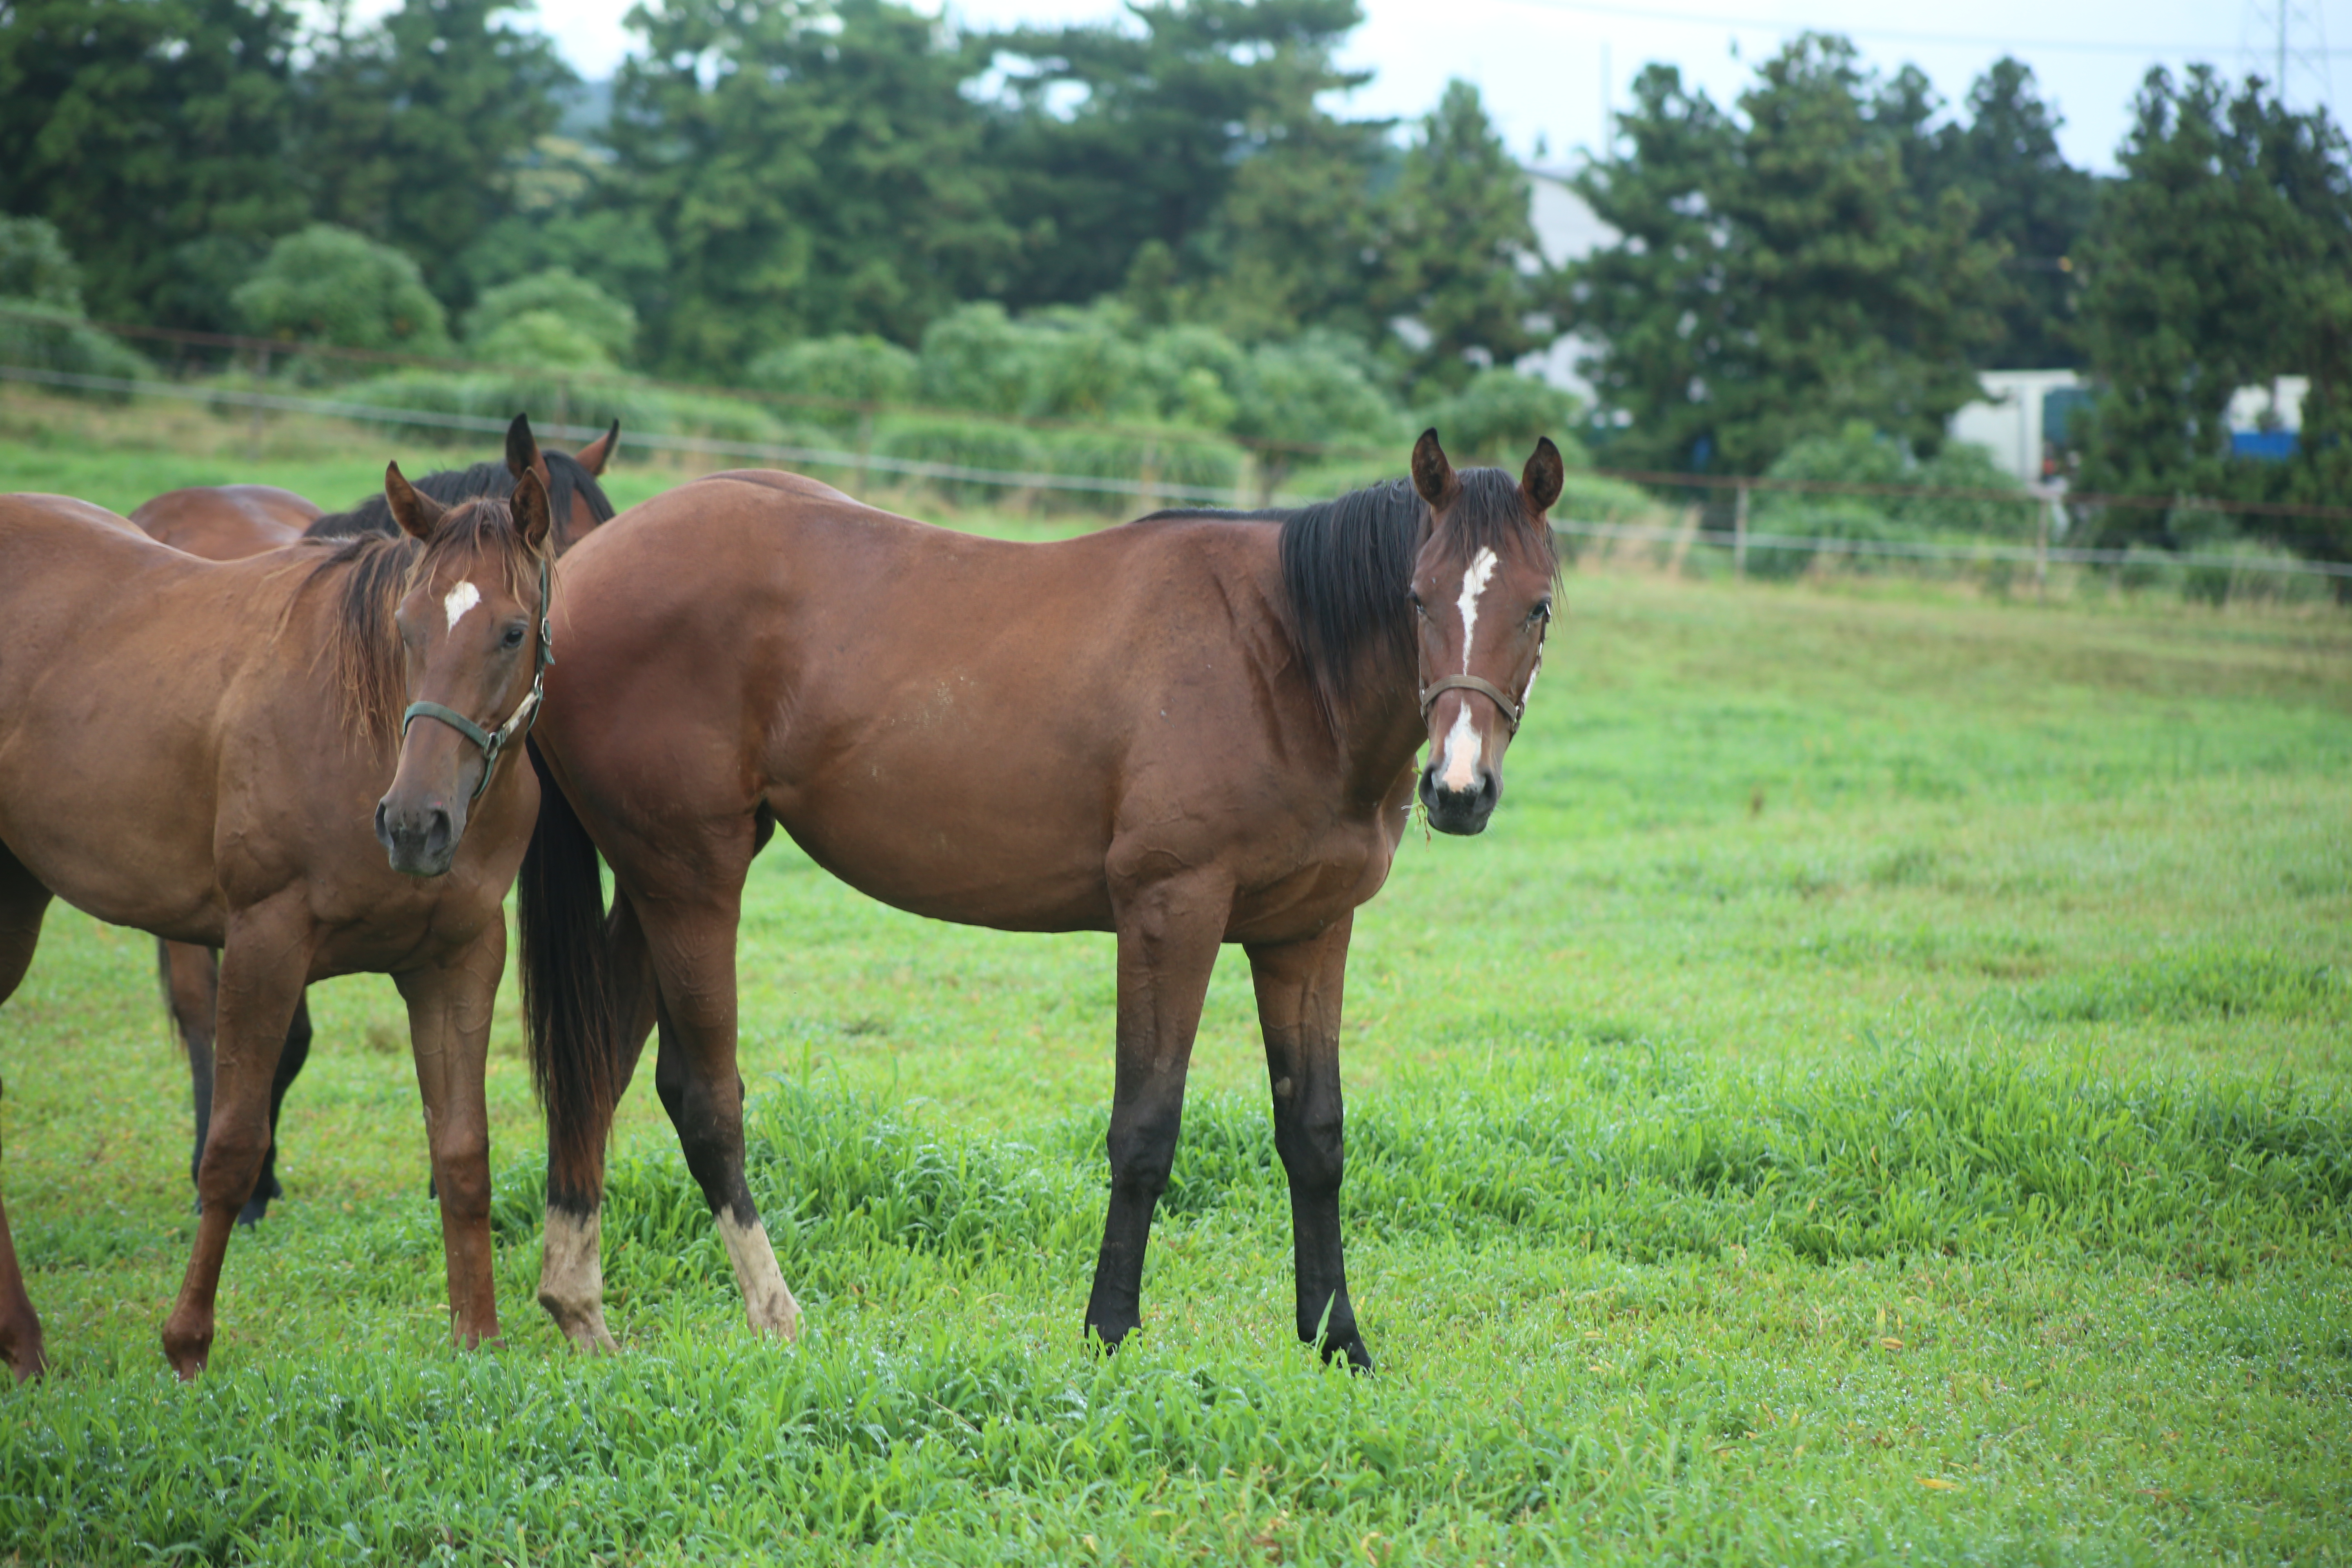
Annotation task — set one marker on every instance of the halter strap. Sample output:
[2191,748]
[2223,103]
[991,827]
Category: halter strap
[491,742]
[1487,689]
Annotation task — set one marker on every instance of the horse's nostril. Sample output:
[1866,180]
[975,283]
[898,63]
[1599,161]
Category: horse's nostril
[382,826]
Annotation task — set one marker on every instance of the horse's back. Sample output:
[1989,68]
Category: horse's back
[961,726]
[224,522]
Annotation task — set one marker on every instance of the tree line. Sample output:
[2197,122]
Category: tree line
[823,193]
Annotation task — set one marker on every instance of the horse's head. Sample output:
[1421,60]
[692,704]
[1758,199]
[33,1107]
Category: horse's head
[473,636]
[1482,598]
[575,499]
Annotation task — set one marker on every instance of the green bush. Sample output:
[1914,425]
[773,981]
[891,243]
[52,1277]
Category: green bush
[1857,454]
[44,336]
[1824,518]
[35,265]
[591,329]
[968,443]
[328,285]
[853,369]
[1497,416]
[642,410]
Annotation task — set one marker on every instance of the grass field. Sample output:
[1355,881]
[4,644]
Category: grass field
[1881,1091]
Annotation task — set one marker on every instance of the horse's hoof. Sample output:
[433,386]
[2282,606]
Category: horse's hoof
[1107,1337]
[253,1213]
[22,1351]
[583,1323]
[187,1354]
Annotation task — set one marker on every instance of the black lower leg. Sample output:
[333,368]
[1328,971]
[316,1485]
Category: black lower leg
[1142,1148]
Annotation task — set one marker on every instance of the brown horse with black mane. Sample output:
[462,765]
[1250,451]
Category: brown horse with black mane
[228,522]
[1197,729]
[196,750]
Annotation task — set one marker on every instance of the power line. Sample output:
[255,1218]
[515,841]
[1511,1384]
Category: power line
[1893,35]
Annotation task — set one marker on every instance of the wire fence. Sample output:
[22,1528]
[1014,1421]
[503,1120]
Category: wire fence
[1720,522]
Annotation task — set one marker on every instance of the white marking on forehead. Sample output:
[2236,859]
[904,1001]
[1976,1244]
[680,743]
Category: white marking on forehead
[462,597]
[1458,763]
[1473,582]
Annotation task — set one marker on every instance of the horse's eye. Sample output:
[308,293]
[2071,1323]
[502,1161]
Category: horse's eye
[1413,596]
[514,636]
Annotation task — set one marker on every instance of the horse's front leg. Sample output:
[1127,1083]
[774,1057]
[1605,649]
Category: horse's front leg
[449,1007]
[1168,937]
[1298,988]
[264,963]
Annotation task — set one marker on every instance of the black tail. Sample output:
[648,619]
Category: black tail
[567,995]
[164,982]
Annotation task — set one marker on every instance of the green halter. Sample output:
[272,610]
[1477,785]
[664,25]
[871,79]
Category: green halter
[493,741]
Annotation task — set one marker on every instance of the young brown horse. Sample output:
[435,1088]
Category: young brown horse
[225,522]
[230,522]
[1196,729]
[196,750]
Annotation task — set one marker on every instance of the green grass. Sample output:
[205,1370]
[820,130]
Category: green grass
[1879,1092]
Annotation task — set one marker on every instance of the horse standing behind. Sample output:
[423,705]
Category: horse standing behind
[195,750]
[228,522]
[1193,730]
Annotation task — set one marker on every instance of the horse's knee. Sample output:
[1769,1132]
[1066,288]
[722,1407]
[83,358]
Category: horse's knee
[461,1179]
[1313,1147]
[1142,1148]
[231,1160]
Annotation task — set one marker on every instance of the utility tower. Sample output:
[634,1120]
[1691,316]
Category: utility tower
[2284,42]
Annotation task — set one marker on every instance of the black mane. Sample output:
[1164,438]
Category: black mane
[489,480]
[1347,567]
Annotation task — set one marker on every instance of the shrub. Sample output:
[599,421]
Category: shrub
[595,328]
[854,369]
[1497,416]
[328,285]
[642,410]
[44,336]
[958,443]
[35,266]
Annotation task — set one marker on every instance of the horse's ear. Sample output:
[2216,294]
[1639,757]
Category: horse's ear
[418,515]
[531,518]
[1543,477]
[599,452]
[1433,476]
[522,451]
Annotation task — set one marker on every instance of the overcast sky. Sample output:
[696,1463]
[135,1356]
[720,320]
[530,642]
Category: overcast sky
[1542,64]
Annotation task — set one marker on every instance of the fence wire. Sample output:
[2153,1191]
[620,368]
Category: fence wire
[1739,540]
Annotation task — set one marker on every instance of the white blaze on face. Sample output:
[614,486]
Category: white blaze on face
[1473,582]
[462,597]
[1458,765]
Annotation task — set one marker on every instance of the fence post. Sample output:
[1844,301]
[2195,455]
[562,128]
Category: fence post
[1147,496]
[1739,532]
[2042,544]
[252,430]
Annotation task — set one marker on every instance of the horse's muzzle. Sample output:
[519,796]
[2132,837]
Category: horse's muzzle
[422,841]
[1463,811]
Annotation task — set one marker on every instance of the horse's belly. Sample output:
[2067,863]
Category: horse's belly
[949,867]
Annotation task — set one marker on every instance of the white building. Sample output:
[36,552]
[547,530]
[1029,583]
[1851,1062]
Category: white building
[1567,230]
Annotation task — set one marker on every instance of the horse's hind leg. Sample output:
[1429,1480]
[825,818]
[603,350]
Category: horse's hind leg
[263,968]
[1168,937]
[693,949]
[1298,990]
[22,900]
[191,976]
[449,1008]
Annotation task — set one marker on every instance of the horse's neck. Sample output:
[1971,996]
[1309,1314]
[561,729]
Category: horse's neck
[1380,729]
